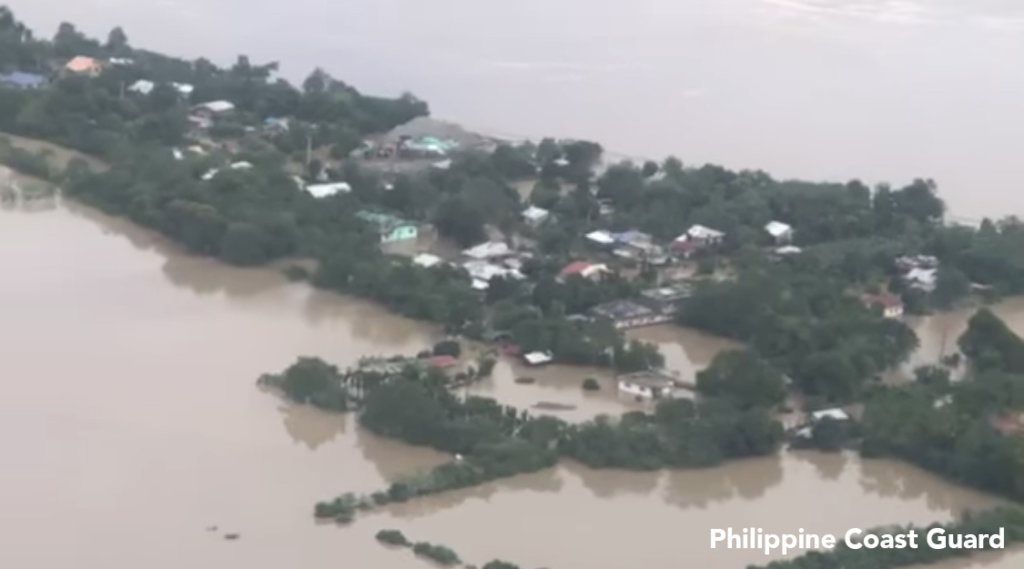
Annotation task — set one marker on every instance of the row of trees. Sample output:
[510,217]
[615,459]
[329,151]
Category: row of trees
[492,441]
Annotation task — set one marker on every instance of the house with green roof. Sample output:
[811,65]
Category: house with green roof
[390,227]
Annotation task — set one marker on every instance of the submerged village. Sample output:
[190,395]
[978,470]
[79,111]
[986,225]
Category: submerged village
[548,253]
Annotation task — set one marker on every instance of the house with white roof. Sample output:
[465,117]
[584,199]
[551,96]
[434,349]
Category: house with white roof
[328,189]
[702,234]
[142,87]
[427,260]
[488,250]
[534,215]
[601,238]
[215,107]
[538,358]
[780,232]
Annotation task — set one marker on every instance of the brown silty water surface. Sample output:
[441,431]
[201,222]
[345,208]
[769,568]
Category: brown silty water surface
[131,424]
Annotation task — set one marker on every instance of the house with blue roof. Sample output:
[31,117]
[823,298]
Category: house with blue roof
[22,80]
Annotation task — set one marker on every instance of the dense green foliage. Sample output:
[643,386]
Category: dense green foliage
[954,429]
[438,553]
[989,344]
[491,441]
[313,381]
[392,537]
[743,377]
[679,433]
[987,523]
[805,325]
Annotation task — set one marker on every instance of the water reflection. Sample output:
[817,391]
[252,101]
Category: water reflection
[892,479]
[829,465]
[309,426]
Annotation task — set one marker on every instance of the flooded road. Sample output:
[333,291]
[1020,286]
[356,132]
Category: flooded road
[131,424]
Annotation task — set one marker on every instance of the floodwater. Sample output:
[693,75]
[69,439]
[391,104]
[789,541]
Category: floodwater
[819,89]
[131,426]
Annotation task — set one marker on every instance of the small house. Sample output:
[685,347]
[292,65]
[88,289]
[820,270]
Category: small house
[788,250]
[665,300]
[427,260]
[534,215]
[328,189]
[212,108]
[183,89]
[142,87]
[891,305]
[442,362]
[538,358]
[648,384]
[704,236]
[22,80]
[601,238]
[780,232]
[583,269]
[389,227]
[488,250]
[625,314]
[82,65]
[836,414]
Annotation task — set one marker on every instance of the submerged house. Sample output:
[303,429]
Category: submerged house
[624,314]
[665,300]
[651,384]
[390,227]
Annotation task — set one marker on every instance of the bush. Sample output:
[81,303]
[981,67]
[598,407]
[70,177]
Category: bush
[591,384]
[448,348]
[439,553]
[498,564]
[486,367]
[392,537]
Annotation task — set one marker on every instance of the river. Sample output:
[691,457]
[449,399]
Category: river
[821,89]
[131,425]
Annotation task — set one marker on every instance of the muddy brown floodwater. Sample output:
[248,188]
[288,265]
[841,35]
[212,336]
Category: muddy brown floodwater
[130,424]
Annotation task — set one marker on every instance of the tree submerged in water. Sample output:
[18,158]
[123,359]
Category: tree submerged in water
[312,381]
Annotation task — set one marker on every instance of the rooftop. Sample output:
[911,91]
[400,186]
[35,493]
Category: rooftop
[427,260]
[621,309]
[535,214]
[328,189]
[836,414]
[702,232]
[488,250]
[82,64]
[777,228]
[602,237]
[538,358]
[217,106]
[142,86]
[649,378]
[384,222]
[669,293]
[22,79]
[886,300]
